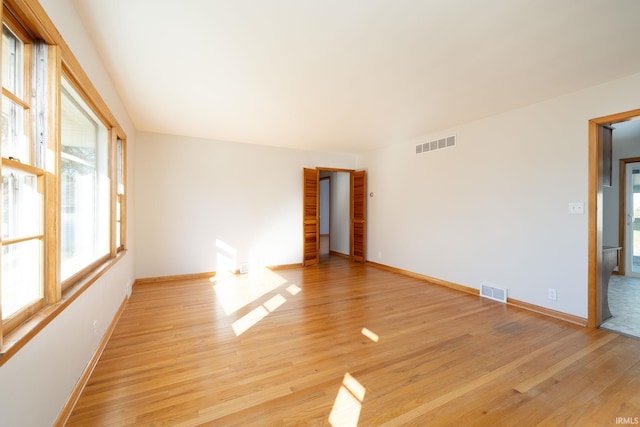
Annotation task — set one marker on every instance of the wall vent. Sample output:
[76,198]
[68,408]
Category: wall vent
[494,293]
[436,144]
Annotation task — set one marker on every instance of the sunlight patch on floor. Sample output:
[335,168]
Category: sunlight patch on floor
[237,291]
[369,334]
[257,314]
[275,302]
[347,406]
[293,289]
[241,325]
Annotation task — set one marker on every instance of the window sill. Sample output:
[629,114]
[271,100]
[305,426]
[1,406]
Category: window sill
[21,335]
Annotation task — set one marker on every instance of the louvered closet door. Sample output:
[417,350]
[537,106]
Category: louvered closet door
[310,224]
[358,216]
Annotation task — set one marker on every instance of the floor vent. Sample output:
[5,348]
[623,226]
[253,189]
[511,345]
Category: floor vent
[491,292]
[436,144]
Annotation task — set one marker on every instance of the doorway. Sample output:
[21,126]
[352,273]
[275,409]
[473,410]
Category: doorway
[630,213]
[334,214]
[598,177]
[346,200]
[325,216]
[621,212]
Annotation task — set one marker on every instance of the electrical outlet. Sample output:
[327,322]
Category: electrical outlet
[552,294]
[95,328]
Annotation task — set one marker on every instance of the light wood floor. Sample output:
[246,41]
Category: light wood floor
[288,348]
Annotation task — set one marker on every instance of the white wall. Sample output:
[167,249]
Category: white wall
[36,383]
[325,205]
[200,201]
[494,209]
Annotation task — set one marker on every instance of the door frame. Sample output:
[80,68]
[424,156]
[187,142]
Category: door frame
[595,216]
[350,172]
[622,212]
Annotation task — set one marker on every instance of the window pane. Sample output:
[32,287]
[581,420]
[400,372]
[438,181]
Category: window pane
[118,231]
[119,192]
[22,208]
[14,140]
[21,275]
[12,62]
[84,185]
[119,165]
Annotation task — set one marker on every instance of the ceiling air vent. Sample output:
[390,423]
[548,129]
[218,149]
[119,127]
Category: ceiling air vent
[451,141]
[494,293]
[436,144]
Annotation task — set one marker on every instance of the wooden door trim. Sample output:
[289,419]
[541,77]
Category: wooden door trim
[323,169]
[595,218]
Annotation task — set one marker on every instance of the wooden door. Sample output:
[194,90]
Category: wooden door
[358,216]
[310,223]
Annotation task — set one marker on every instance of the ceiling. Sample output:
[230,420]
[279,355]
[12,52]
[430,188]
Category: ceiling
[628,130]
[351,75]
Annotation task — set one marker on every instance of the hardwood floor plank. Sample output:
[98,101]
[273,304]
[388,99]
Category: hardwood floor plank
[433,356]
[547,373]
[466,386]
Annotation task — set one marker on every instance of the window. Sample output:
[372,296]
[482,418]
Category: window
[14,101]
[85,185]
[63,162]
[120,198]
[22,241]
[22,186]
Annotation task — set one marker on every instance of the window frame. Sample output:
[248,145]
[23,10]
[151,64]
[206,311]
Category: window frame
[28,18]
